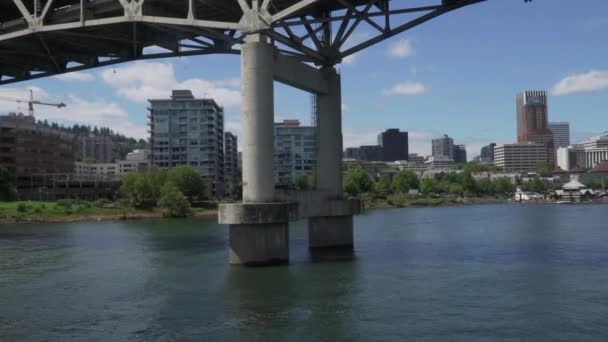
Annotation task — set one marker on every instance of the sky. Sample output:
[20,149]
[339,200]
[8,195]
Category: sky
[456,75]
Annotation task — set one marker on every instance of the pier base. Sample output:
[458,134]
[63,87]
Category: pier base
[259,232]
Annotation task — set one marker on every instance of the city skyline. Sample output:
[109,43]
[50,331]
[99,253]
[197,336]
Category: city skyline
[417,89]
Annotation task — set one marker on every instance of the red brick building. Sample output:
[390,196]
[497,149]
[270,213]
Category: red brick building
[28,148]
[533,121]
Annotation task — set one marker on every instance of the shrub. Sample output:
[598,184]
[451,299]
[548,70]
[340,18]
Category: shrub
[22,208]
[174,201]
[65,203]
[397,200]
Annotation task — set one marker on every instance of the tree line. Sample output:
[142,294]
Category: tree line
[173,190]
[357,183]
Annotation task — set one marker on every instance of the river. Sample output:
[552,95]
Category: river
[472,273]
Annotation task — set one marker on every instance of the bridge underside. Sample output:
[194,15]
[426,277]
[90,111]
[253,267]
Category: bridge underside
[296,42]
[39,38]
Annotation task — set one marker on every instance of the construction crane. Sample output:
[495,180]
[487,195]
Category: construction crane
[31,102]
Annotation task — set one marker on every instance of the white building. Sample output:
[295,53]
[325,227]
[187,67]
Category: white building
[439,163]
[138,155]
[587,154]
[519,157]
[114,171]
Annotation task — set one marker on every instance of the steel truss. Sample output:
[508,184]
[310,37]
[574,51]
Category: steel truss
[40,38]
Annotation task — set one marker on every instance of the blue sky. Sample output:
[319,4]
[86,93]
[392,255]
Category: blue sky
[457,74]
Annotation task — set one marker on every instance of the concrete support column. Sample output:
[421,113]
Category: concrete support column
[333,230]
[259,228]
[257,119]
[329,136]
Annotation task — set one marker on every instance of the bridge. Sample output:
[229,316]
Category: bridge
[295,42]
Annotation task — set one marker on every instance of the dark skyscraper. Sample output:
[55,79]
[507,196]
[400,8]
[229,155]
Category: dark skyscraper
[487,154]
[394,145]
[533,120]
[460,154]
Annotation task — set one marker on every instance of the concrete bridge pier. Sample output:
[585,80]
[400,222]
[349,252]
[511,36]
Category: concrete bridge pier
[333,229]
[259,227]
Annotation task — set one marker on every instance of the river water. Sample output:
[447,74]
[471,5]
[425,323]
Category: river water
[474,273]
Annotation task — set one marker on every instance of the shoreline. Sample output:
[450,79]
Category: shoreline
[214,212]
[102,217]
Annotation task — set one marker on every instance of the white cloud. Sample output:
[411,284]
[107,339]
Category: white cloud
[9,96]
[141,81]
[401,49]
[345,108]
[354,40]
[405,88]
[76,76]
[96,112]
[582,83]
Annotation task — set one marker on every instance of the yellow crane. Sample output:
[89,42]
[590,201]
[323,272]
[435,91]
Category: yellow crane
[31,102]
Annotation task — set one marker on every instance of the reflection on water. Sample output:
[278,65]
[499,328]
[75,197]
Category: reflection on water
[460,273]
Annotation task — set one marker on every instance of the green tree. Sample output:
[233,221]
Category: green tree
[428,186]
[543,169]
[456,189]
[304,181]
[484,186]
[357,182]
[141,187]
[534,185]
[188,182]
[382,187]
[7,189]
[405,180]
[174,201]
[468,182]
[503,186]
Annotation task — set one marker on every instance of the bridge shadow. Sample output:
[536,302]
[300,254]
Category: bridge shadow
[332,254]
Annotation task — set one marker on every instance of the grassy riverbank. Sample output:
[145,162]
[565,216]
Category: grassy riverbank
[402,201]
[72,211]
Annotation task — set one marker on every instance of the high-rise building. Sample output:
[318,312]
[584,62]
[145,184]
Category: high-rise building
[443,147]
[294,151]
[460,154]
[370,153]
[98,148]
[28,149]
[561,133]
[519,157]
[231,163]
[487,154]
[394,145]
[189,131]
[533,120]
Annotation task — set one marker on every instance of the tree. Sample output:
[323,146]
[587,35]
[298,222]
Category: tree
[503,186]
[188,182]
[543,169]
[535,185]
[382,187]
[468,182]
[357,182]
[304,181]
[456,189]
[484,186]
[174,201]
[7,189]
[428,186]
[142,187]
[405,180]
